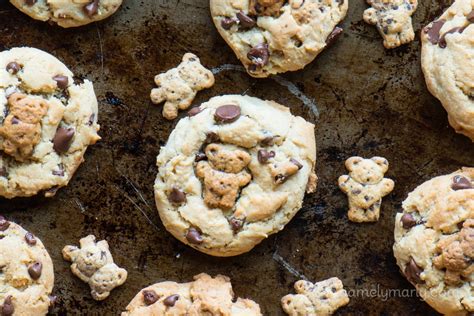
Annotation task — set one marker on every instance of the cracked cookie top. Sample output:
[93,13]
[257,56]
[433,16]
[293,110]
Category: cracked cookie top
[275,36]
[446,58]
[26,272]
[47,120]
[68,13]
[229,176]
[434,241]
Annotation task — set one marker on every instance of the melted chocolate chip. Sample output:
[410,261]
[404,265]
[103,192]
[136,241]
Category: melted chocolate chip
[35,270]
[227,23]
[460,224]
[259,55]
[296,162]
[7,308]
[194,236]
[176,196]
[61,81]
[200,156]
[13,67]
[442,41]
[433,31]
[92,8]
[413,271]
[264,155]
[245,21]
[461,183]
[4,224]
[211,137]
[408,221]
[236,224]
[150,297]
[171,300]
[336,32]
[227,113]
[30,239]
[268,141]
[62,139]
[194,111]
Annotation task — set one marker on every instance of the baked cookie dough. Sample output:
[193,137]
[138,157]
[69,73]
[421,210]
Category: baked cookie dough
[26,272]
[434,241]
[447,63]
[47,120]
[319,299]
[203,296]
[234,172]
[275,36]
[68,13]
[178,86]
[393,20]
[365,186]
[92,262]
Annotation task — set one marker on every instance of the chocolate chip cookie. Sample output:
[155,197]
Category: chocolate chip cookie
[68,13]
[275,36]
[203,296]
[229,176]
[446,58]
[47,120]
[26,272]
[434,241]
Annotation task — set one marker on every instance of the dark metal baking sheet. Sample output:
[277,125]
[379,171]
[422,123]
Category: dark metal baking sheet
[371,102]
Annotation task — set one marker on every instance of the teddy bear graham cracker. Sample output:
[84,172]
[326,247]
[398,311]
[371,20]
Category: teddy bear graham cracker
[365,187]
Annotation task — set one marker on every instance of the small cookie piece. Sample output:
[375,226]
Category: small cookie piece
[446,60]
[393,20]
[68,13]
[229,177]
[92,262]
[47,121]
[365,187]
[203,296]
[26,272]
[434,241]
[178,86]
[318,299]
[275,36]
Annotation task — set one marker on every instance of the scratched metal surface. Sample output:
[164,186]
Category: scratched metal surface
[371,102]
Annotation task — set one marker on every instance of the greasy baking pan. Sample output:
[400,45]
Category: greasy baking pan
[370,101]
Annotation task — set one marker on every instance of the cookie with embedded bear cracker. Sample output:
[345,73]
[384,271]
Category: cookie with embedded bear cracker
[26,272]
[92,262]
[47,121]
[275,36]
[434,241]
[229,177]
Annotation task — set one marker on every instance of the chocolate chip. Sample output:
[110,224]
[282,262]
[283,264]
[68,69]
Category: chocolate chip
[470,16]
[194,111]
[4,224]
[176,196]
[442,41]
[227,113]
[61,81]
[91,119]
[413,271]
[13,67]
[150,297]
[200,156]
[60,171]
[334,35]
[30,239]
[259,55]
[461,183]
[15,121]
[408,221]
[296,162]
[433,31]
[30,2]
[236,224]
[92,8]
[245,21]
[211,137]
[268,141]
[194,236]
[34,270]
[171,300]
[7,308]
[62,139]
[356,192]
[227,23]
[460,224]
[263,155]
[3,172]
